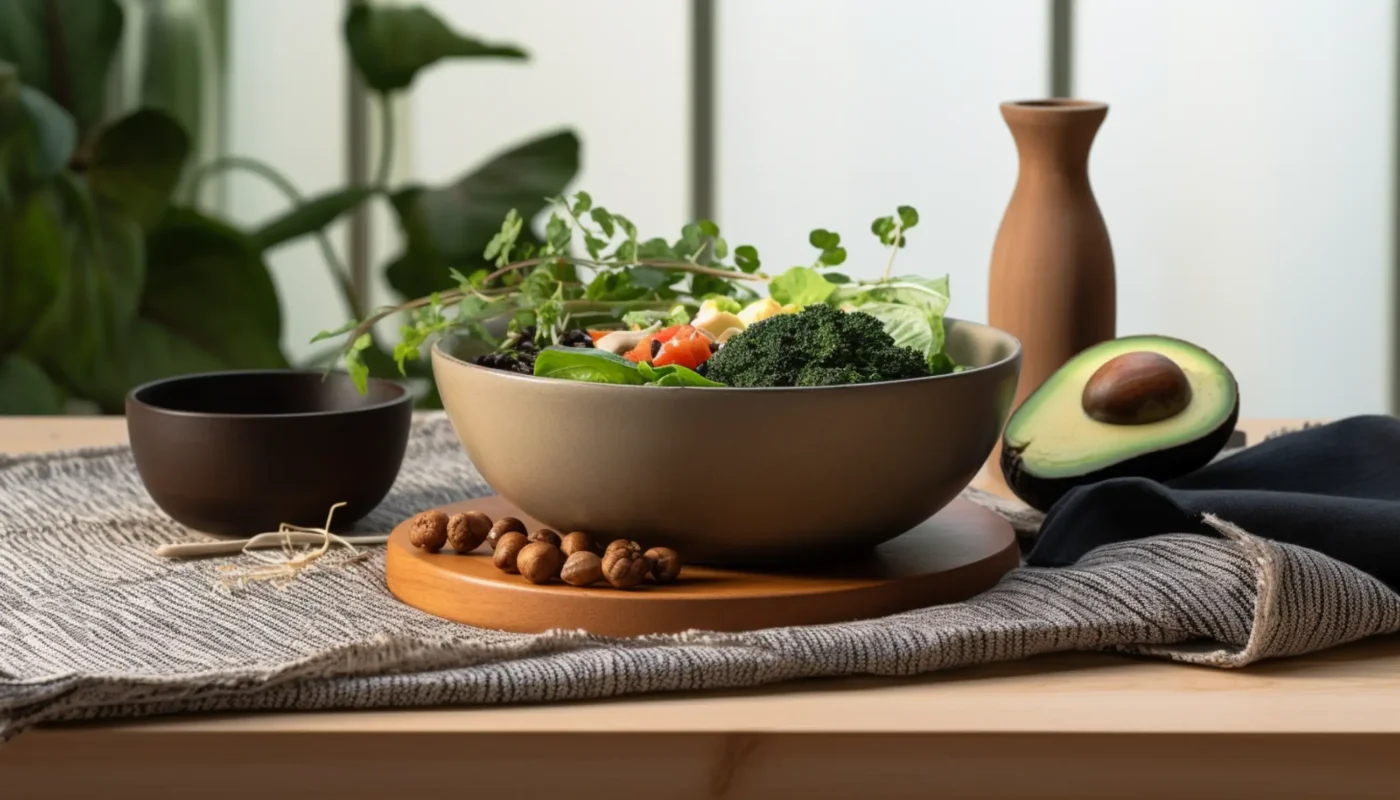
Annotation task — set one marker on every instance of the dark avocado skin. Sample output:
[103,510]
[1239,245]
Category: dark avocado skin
[1162,465]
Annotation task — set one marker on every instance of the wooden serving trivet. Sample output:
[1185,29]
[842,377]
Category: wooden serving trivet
[958,553]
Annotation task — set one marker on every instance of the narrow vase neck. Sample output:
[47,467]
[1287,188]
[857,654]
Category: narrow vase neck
[1054,135]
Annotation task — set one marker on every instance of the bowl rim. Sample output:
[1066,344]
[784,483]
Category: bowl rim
[1014,355]
[404,397]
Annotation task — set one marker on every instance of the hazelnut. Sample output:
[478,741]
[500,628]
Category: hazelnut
[666,564]
[429,531]
[627,569]
[508,548]
[577,542]
[545,535]
[619,544]
[619,547]
[582,568]
[539,562]
[503,526]
[467,530]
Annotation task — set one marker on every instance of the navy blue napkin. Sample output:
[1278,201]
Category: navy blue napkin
[1334,488]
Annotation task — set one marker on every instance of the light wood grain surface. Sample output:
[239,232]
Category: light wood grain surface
[1072,725]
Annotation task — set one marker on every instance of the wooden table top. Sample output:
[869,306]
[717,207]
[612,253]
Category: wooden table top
[1349,690]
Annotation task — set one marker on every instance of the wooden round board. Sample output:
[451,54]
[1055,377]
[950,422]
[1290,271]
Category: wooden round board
[959,552]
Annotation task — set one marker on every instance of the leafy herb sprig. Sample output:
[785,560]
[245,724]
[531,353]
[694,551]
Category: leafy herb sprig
[624,280]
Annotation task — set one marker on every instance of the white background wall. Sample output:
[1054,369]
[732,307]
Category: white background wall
[1245,168]
[287,107]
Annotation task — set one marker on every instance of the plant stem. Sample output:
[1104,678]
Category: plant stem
[289,190]
[679,266]
[386,141]
[894,250]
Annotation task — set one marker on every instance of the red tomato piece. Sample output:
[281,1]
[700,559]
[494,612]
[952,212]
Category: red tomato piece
[687,349]
[640,353]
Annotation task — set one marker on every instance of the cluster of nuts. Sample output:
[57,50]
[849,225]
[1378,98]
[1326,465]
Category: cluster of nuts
[543,555]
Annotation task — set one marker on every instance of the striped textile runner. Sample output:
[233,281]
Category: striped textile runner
[93,626]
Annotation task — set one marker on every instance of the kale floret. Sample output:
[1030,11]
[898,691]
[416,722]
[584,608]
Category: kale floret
[821,346]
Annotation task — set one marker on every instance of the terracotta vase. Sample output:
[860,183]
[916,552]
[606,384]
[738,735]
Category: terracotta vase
[1052,283]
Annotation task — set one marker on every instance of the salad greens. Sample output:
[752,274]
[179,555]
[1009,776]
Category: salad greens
[620,280]
[600,366]
[591,366]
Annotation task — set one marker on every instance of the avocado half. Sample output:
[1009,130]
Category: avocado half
[1140,406]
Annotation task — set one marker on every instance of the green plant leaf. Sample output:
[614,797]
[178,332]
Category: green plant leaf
[99,297]
[390,44]
[136,162]
[626,225]
[721,247]
[928,295]
[35,262]
[64,49]
[801,286]
[594,246]
[56,131]
[746,258]
[687,246]
[909,326]
[673,375]
[883,227]
[837,278]
[604,220]
[651,278]
[588,365]
[208,283]
[708,228]
[583,201]
[558,234]
[656,248]
[940,363]
[908,217]
[823,239]
[177,70]
[613,286]
[310,217]
[834,256]
[27,389]
[208,304]
[450,226]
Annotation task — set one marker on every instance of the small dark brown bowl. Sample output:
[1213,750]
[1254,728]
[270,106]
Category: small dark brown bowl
[239,453]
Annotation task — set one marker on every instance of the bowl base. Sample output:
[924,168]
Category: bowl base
[959,552]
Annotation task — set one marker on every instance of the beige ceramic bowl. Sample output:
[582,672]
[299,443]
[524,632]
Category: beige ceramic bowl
[733,476]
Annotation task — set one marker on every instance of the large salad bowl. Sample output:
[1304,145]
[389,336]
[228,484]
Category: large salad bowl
[735,476]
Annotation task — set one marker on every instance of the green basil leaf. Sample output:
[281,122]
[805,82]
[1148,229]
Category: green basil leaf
[675,375]
[587,365]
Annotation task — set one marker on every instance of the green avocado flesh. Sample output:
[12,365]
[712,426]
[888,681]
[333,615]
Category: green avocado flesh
[1051,445]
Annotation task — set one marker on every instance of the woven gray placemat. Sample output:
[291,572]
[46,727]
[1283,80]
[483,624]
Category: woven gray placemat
[92,625]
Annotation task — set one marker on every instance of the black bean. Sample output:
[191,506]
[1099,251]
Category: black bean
[655,348]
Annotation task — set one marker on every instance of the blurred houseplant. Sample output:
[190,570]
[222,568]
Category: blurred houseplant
[109,275]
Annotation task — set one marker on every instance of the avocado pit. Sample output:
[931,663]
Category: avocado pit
[1136,388]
